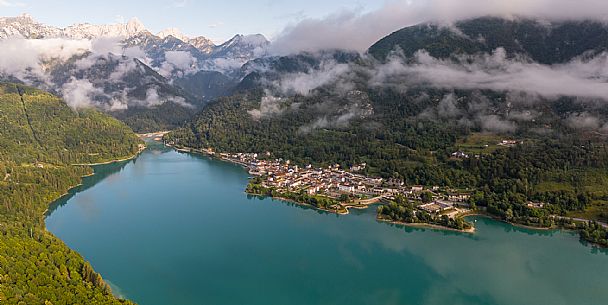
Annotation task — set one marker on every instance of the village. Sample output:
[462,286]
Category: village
[336,183]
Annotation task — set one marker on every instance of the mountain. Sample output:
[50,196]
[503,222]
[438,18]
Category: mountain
[242,47]
[203,44]
[207,85]
[127,89]
[156,47]
[258,73]
[457,91]
[125,83]
[544,42]
[41,137]
[228,56]
[25,26]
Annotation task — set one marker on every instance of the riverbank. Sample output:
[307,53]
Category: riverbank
[471,230]
[141,148]
[344,208]
[341,208]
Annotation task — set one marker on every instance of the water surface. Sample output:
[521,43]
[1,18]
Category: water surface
[172,228]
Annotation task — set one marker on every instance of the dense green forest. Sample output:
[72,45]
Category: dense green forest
[40,140]
[563,169]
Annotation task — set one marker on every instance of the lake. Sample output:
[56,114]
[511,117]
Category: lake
[174,228]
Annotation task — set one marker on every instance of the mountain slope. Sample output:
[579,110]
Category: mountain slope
[207,85]
[410,118]
[125,88]
[40,138]
[542,42]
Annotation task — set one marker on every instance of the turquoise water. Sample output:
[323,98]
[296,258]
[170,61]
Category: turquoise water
[173,229]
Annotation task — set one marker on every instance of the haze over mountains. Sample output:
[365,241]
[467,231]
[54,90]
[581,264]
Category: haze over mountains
[159,81]
[121,68]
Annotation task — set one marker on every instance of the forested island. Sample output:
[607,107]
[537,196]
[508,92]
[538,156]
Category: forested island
[40,140]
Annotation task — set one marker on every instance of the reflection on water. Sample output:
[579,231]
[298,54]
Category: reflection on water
[172,228]
[102,172]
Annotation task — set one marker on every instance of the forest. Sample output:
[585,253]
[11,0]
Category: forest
[563,169]
[40,140]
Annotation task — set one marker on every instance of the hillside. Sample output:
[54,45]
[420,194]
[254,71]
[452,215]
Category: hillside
[543,42]
[40,139]
[331,108]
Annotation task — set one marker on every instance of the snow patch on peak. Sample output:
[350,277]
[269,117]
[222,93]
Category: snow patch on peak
[25,26]
[135,26]
[256,40]
[175,32]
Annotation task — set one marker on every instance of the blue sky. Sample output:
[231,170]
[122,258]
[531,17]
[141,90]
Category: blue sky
[215,19]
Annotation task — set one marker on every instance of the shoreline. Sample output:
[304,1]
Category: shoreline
[423,225]
[514,224]
[114,161]
[348,207]
[71,188]
[301,204]
[44,214]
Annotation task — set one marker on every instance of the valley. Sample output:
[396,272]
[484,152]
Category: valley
[398,168]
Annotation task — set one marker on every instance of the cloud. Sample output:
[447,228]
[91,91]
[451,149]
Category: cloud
[580,77]
[26,58]
[181,62]
[447,107]
[303,83]
[154,99]
[583,121]
[80,93]
[269,106]
[354,30]
[223,64]
[494,123]
[32,60]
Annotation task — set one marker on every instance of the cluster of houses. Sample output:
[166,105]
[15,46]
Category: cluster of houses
[332,181]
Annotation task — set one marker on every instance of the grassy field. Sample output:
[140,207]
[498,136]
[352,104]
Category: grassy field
[480,143]
[593,182]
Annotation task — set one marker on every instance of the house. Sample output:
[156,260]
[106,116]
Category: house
[436,207]
[395,182]
[536,205]
[312,190]
[346,188]
[361,189]
[460,155]
[458,197]
[417,188]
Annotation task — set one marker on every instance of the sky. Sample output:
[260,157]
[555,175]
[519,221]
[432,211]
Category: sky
[296,25]
[218,20]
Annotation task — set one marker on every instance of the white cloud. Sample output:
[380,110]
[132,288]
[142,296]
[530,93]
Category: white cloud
[178,62]
[583,121]
[80,93]
[354,30]
[304,83]
[583,78]
[22,58]
[269,106]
